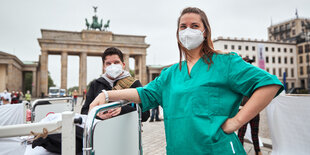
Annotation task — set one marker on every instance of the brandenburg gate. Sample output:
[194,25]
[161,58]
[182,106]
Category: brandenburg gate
[87,43]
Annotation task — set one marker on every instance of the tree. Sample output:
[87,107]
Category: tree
[50,81]
[132,72]
[71,89]
[27,82]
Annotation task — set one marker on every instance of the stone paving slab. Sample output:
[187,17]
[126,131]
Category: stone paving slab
[153,138]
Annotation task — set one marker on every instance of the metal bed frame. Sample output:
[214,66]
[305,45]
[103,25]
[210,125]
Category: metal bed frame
[88,146]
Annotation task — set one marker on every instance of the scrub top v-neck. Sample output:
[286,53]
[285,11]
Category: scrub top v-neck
[197,104]
[195,68]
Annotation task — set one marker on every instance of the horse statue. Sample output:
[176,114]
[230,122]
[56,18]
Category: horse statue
[95,25]
[107,25]
[87,24]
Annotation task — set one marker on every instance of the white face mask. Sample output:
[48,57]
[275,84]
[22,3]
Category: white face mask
[191,38]
[114,70]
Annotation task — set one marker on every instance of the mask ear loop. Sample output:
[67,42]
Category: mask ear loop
[203,32]
[205,38]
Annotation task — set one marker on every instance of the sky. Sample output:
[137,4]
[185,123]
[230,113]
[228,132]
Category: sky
[22,20]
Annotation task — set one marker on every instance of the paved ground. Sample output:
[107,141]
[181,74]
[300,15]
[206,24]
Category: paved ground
[263,125]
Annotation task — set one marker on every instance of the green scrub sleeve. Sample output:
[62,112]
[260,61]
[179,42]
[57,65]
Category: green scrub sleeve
[245,78]
[151,94]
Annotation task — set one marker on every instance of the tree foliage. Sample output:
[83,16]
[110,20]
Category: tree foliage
[132,72]
[50,81]
[27,82]
[71,89]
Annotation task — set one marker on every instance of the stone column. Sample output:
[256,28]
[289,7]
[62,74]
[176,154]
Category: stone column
[126,60]
[143,73]
[44,72]
[34,80]
[137,67]
[64,72]
[83,72]
[38,89]
[140,69]
[150,75]
[10,77]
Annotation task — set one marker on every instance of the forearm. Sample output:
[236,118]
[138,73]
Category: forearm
[258,101]
[130,94]
[115,95]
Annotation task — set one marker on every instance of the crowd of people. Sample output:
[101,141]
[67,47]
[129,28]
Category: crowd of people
[14,97]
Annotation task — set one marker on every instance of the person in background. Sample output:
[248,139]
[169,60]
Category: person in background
[201,95]
[114,78]
[5,97]
[20,96]
[84,94]
[155,114]
[254,123]
[75,95]
[28,97]
[14,97]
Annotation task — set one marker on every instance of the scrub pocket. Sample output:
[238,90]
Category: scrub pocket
[206,101]
[228,144]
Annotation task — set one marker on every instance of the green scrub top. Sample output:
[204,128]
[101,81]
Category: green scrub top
[196,105]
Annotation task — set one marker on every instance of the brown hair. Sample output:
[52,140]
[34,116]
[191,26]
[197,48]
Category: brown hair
[112,51]
[207,45]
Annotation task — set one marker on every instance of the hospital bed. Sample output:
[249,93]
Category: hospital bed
[42,107]
[116,136]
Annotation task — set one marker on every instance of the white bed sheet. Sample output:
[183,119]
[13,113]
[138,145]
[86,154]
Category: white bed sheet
[17,146]
[11,114]
[39,150]
[289,124]
[12,146]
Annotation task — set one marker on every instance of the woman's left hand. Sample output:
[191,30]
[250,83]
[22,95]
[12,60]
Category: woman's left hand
[100,99]
[231,125]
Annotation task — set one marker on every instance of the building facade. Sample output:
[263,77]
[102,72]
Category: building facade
[303,64]
[12,71]
[291,30]
[298,31]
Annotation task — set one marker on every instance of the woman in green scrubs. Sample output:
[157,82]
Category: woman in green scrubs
[201,95]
